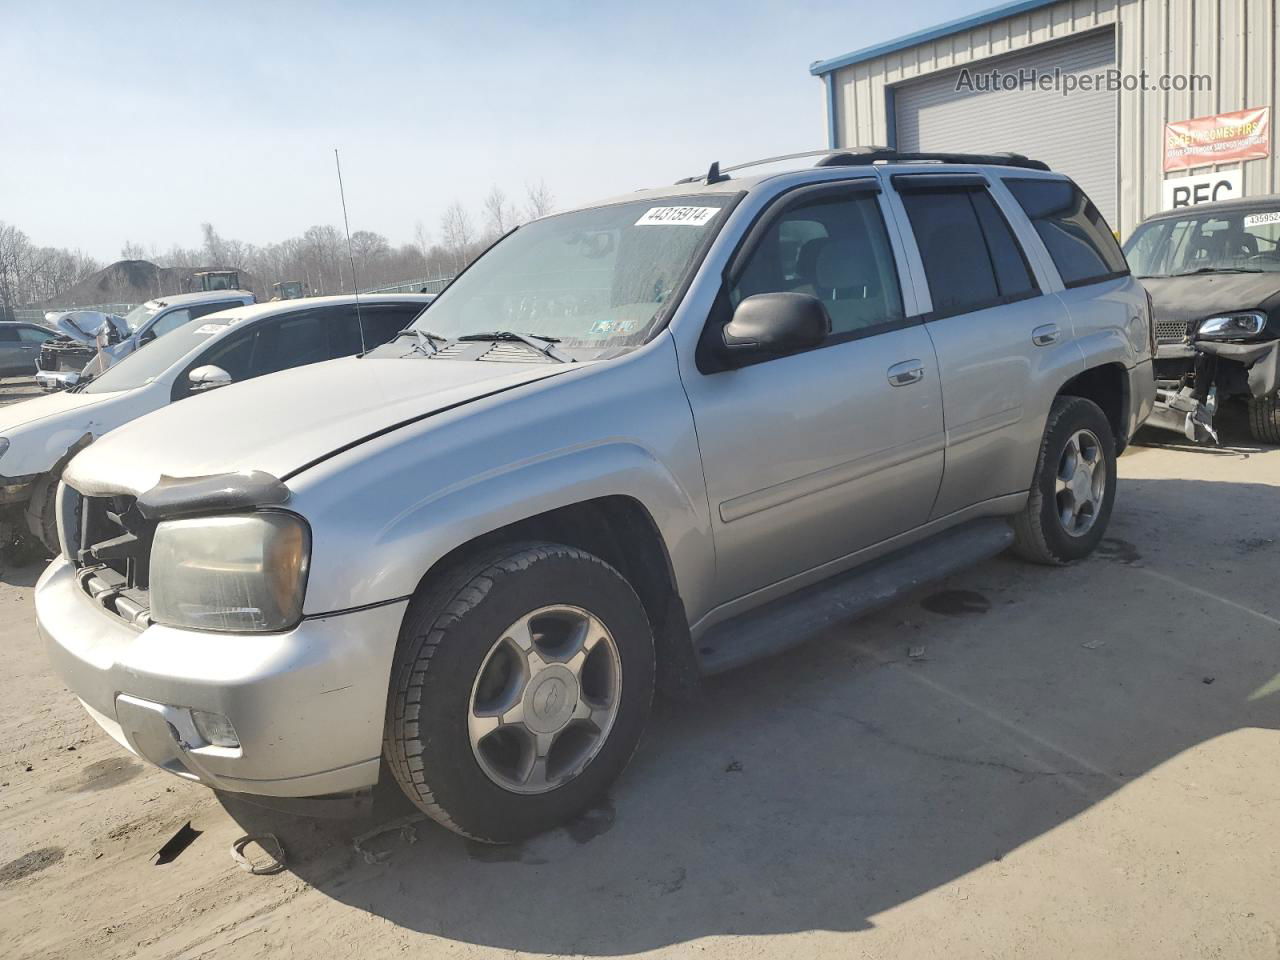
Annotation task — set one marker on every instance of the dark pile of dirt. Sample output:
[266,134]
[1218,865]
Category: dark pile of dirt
[134,281]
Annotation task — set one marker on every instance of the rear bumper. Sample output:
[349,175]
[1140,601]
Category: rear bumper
[1142,395]
[307,705]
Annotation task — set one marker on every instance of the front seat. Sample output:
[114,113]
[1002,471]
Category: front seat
[807,265]
[846,280]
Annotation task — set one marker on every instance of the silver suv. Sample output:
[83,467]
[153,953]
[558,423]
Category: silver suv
[634,443]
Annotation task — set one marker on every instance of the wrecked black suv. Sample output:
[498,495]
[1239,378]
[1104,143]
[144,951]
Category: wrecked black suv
[1213,274]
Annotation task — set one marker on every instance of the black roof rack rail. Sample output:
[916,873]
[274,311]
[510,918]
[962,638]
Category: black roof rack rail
[858,158]
[866,155]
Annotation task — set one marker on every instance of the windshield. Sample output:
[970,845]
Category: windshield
[139,315]
[1240,241]
[151,360]
[592,279]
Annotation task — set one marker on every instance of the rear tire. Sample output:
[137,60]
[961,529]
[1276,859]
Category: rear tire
[1074,486]
[465,732]
[1264,419]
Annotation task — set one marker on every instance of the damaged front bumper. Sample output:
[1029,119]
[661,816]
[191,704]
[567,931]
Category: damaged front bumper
[51,381]
[304,708]
[1216,371]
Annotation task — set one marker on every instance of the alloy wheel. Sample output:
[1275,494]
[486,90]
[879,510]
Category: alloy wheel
[545,699]
[1080,485]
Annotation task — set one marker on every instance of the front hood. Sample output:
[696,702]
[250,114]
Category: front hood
[83,325]
[1202,295]
[26,412]
[282,422]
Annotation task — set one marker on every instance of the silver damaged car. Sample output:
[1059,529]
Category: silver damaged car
[633,444]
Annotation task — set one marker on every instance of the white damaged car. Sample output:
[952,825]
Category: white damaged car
[39,436]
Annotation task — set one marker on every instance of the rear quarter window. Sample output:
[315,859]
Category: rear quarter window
[1076,235]
[971,258]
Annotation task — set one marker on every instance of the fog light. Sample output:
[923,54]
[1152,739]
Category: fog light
[215,729]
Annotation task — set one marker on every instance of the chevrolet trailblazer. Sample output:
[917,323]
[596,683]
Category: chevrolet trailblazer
[633,443]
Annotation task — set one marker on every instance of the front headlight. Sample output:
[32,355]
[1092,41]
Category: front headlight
[1233,326]
[4,445]
[240,574]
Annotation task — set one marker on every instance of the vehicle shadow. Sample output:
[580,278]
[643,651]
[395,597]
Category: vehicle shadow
[817,790]
[23,574]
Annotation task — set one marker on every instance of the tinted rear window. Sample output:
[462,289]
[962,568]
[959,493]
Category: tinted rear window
[1074,232]
[956,264]
[1013,276]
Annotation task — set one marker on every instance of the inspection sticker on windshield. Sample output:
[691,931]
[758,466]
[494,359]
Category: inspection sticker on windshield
[685,216]
[1259,219]
[206,328]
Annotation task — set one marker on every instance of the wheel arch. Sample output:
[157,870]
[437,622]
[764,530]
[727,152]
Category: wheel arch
[1107,385]
[620,530]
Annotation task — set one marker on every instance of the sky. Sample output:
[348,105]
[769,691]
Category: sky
[139,121]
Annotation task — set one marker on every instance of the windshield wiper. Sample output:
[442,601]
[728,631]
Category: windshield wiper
[544,345]
[426,341]
[1191,273]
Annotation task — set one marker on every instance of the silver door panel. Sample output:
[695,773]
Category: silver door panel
[813,456]
[999,384]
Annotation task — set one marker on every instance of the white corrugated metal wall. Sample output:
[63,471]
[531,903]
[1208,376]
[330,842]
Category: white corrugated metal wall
[1075,134]
[1235,41]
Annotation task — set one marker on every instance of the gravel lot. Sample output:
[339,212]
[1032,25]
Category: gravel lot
[1082,763]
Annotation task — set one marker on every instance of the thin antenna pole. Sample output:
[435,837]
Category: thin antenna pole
[351,257]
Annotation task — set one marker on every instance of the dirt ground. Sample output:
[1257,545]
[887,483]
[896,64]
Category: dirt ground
[1081,762]
[13,389]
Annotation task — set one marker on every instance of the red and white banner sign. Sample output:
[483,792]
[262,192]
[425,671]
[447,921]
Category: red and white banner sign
[1243,135]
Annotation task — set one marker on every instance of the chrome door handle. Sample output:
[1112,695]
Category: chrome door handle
[908,371]
[1045,335]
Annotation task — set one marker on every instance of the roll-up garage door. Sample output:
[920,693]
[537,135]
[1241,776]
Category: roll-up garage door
[1075,133]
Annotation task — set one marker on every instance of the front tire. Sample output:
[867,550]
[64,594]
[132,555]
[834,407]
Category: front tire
[1264,419]
[1074,487]
[42,515]
[522,682]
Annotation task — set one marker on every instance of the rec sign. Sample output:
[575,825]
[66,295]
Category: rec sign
[1206,188]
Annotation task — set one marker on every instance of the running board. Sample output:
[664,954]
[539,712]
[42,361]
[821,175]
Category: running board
[791,620]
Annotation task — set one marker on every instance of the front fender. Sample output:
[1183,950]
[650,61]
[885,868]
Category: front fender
[40,452]
[408,544]
[384,512]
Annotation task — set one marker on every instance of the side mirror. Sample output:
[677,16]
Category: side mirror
[775,324]
[207,378]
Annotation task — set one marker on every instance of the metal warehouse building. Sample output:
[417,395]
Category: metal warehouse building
[904,94]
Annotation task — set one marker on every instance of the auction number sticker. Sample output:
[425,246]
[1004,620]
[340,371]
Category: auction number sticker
[1261,219]
[684,216]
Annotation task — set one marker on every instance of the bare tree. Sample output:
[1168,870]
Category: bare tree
[324,254]
[13,251]
[31,274]
[422,238]
[367,248]
[538,200]
[319,257]
[459,235]
[499,215]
